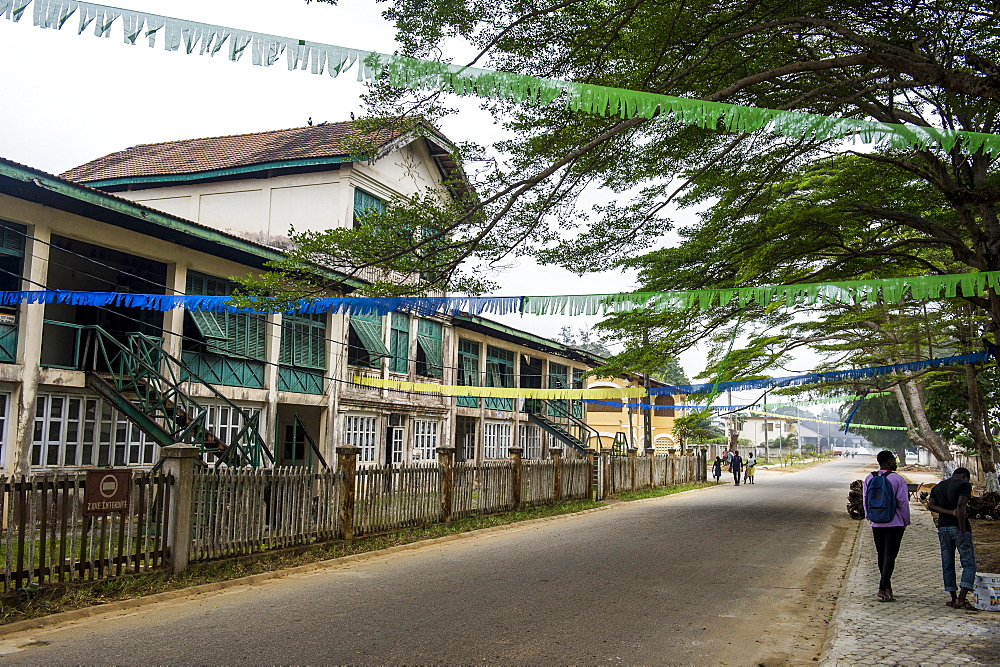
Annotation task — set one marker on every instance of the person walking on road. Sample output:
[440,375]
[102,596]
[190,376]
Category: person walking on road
[950,500]
[717,469]
[737,467]
[887,507]
[751,463]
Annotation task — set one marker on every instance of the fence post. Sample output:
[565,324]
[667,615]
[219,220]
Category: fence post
[633,452]
[703,467]
[347,460]
[606,469]
[594,472]
[515,456]
[672,466]
[556,454]
[650,459]
[178,463]
[446,459]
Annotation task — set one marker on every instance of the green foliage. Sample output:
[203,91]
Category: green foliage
[695,428]
[934,62]
[880,410]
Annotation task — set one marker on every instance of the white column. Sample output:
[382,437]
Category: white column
[272,354]
[29,348]
[173,320]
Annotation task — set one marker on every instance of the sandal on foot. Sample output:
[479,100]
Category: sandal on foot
[885,597]
[951,603]
[965,604]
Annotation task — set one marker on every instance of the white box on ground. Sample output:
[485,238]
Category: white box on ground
[986,594]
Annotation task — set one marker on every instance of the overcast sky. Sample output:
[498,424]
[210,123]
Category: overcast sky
[69,98]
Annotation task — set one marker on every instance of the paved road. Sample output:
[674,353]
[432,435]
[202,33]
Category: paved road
[742,574]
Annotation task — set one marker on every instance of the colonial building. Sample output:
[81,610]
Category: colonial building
[84,385]
[619,425]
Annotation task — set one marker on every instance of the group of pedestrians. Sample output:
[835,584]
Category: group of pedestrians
[887,507]
[737,465]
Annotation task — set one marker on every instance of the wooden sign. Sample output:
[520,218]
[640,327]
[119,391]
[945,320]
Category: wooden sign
[106,491]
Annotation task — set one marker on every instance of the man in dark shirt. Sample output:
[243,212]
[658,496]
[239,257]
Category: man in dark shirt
[950,499]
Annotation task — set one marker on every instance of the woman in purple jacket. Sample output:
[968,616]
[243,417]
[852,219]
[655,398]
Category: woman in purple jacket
[889,535]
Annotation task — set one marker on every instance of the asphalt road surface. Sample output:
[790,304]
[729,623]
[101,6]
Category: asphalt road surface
[725,575]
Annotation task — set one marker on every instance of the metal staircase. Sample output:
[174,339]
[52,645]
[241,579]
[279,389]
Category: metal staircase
[556,419]
[145,384]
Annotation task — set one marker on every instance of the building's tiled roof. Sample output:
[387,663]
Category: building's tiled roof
[191,156]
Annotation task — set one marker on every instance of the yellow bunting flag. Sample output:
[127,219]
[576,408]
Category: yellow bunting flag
[498,392]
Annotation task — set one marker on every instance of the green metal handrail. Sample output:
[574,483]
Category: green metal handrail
[247,443]
[575,427]
[143,368]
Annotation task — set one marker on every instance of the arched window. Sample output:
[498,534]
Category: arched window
[665,399]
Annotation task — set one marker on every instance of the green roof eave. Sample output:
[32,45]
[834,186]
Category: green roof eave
[216,173]
[123,213]
[483,325]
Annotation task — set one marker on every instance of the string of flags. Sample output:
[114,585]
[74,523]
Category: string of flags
[888,290]
[196,38]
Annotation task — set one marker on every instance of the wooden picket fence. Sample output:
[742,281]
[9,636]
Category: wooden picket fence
[483,488]
[240,511]
[45,539]
[538,483]
[389,497]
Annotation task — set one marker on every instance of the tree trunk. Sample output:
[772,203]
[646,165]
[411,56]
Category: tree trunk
[918,428]
[980,432]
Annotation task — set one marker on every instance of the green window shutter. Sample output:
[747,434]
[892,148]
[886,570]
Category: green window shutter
[499,367]
[12,239]
[365,203]
[558,376]
[370,333]
[303,341]
[468,363]
[212,327]
[430,340]
[315,343]
[208,325]
[433,353]
[399,343]
[196,284]
[243,335]
[290,330]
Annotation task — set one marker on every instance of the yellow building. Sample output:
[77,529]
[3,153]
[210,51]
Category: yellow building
[620,425]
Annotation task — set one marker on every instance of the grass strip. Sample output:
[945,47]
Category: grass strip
[662,491]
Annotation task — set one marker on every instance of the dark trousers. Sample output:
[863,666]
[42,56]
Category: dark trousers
[887,541]
[736,477]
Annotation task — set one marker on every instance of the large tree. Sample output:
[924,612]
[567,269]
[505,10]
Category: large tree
[932,64]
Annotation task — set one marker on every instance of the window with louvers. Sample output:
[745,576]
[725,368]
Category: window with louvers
[430,349]
[365,204]
[303,341]
[228,334]
[399,343]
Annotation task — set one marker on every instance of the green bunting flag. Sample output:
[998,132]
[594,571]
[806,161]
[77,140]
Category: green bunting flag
[193,37]
[889,290]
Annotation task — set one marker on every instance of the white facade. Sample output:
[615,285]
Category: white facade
[759,430]
[265,209]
